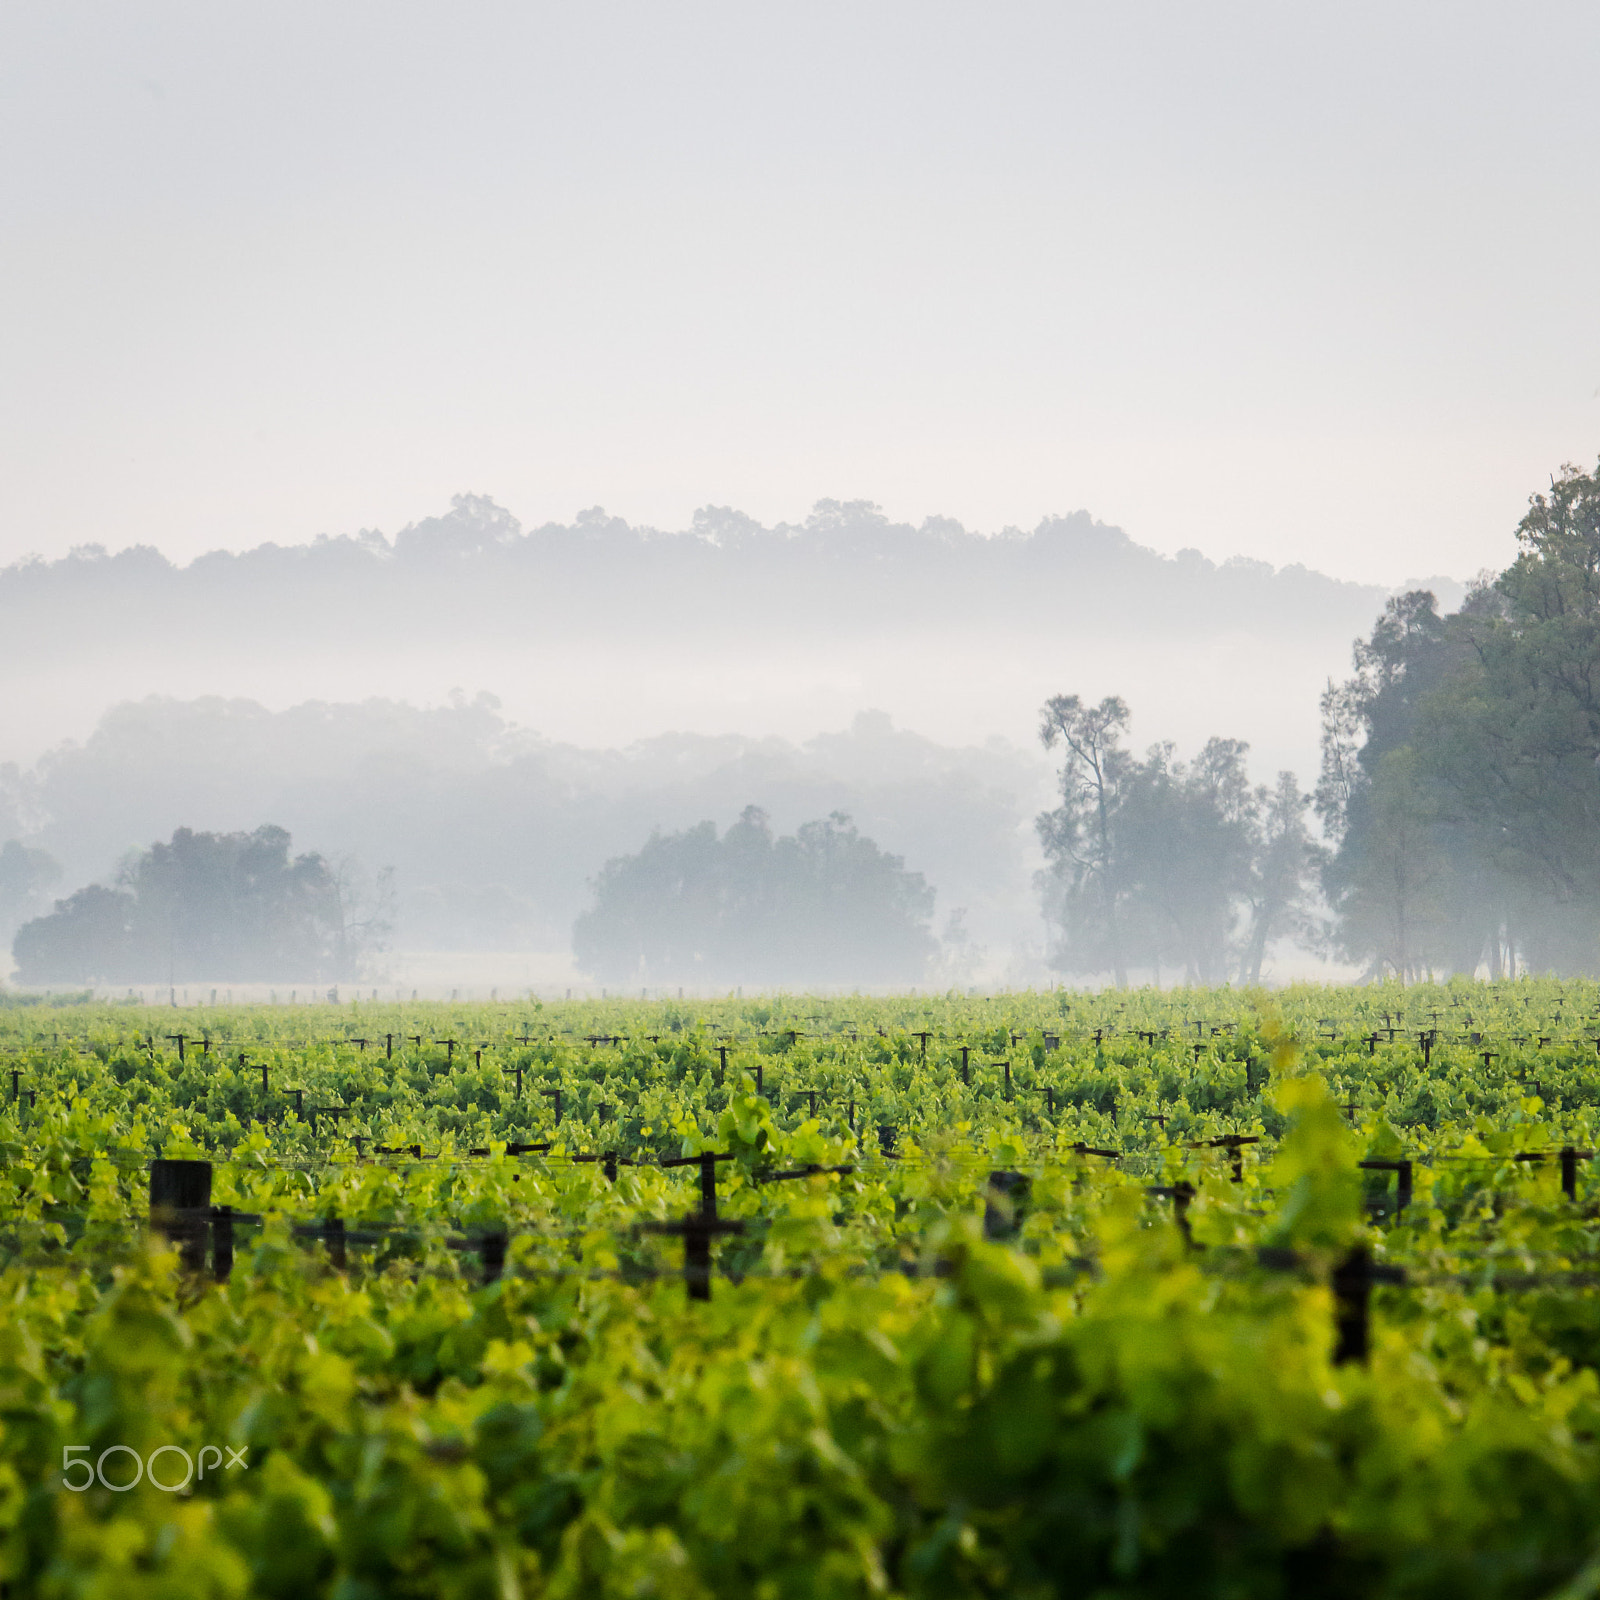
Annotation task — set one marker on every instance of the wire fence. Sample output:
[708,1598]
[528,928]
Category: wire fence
[206,1236]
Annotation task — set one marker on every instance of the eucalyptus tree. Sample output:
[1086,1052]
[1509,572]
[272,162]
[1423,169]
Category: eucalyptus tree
[1461,763]
[1086,880]
[1163,864]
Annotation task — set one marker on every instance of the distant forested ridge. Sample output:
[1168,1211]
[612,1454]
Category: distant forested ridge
[636,653]
[600,634]
[841,565]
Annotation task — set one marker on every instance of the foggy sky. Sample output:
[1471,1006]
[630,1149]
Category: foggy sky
[1299,283]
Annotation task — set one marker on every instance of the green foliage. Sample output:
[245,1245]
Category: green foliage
[888,1394]
[1460,773]
[1314,1175]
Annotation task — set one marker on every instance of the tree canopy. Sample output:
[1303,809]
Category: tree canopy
[204,906]
[1461,764]
[822,906]
[1164,864]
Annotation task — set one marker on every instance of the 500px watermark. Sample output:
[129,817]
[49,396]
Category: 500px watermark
[143,1467]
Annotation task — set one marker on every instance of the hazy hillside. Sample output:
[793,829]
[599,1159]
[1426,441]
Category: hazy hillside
[600,633]
[593,682]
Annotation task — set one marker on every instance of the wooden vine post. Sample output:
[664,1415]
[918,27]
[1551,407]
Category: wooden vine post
[698,1229]
[180,1207]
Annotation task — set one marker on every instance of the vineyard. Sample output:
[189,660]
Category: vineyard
[1132,1293]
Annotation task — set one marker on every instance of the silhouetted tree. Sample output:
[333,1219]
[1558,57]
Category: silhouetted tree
[89,938]
[1285,858]
[823,906]
[1087,880]
[1461,764]
[1158,863]
[1185,841]
[204,905]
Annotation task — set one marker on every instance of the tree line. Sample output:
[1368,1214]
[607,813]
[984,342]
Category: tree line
[1460,784]
[1459,802]
[1459,798]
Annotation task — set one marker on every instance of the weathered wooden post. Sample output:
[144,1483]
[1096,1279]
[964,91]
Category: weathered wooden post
[1353,1279]
[1180,1194]
[1004,1200]
[492,1254]
[1402,1188]
[1569,1170]
[180,1207]
[697,1231]
[222,1243]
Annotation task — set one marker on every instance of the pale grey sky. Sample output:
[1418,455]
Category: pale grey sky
[1305,283]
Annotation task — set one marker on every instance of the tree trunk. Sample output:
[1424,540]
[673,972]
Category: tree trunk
[1258,946]
[1119,967]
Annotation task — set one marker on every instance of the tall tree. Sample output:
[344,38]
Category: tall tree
[1515,737]
[1397,890]
[1184,841]
[1495,807]
[1284,860]
[1078,837]
[1155,863]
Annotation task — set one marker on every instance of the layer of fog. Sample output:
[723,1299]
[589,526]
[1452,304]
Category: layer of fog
[608,681]
[599,634]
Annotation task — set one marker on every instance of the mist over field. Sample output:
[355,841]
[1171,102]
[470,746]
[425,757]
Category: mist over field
[495,713]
